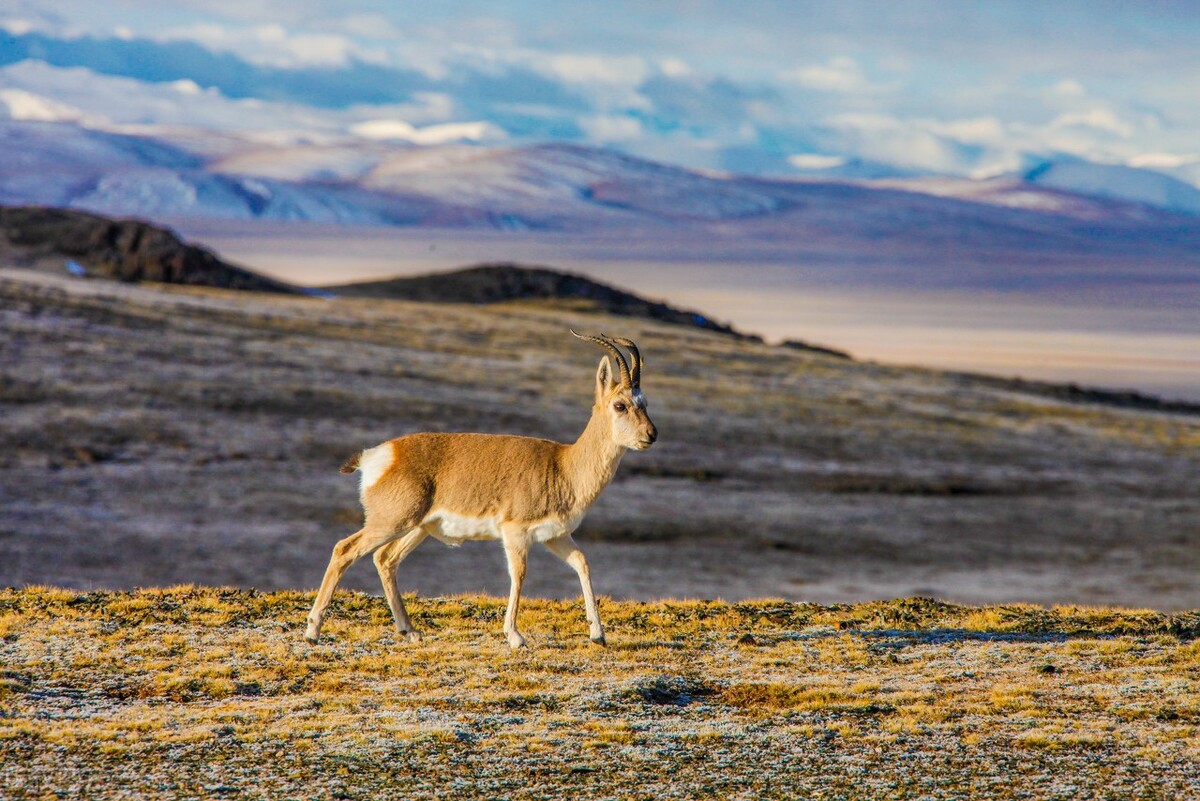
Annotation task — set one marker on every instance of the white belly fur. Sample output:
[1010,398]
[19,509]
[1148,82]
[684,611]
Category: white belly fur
[454,529]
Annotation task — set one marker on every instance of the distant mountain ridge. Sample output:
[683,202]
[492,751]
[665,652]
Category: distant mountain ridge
[1118,182]
[169,172]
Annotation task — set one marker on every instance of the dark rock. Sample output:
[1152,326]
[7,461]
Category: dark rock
[798,344]
[670,690]
[495,283]
[124,250]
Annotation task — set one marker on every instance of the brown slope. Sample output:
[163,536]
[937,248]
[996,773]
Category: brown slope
[506,281]
[76,242]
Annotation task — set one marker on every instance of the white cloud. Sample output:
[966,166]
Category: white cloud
[920,144]
[369,26]
[186,86]
[274,45]
[105,100]
[866,122]
[1068,87]
[321,50]
[19,26]
[1097,118]
[23,105]
[928,101]
[978,130]
[815,161]
[842,75]
[1162,161]
[426,108]
[444,133]
[611,128]
[576,68]
[675,68]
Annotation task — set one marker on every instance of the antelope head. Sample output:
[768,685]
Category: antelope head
[619,397]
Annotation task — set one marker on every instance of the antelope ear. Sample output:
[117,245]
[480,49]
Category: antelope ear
[604,377]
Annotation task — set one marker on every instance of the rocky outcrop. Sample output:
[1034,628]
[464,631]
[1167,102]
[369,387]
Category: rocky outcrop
[505,281]
[125,250]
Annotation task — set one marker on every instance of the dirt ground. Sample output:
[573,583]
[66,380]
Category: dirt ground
[151,436]
[200,692]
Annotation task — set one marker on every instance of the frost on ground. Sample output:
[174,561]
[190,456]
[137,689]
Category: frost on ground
[201,692]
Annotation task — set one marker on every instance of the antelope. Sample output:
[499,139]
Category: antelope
[519,490]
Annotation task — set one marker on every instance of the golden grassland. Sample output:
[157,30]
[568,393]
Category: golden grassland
[212,692]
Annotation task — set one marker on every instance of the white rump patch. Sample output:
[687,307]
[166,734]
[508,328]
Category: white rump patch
[374,462]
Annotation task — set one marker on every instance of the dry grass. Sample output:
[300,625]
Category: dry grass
[196,691]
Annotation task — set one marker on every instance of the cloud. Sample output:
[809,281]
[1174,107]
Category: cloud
[702,102]
[1068,87]
[920,144]
[967,93]
[1097,119]
[607,129]
[273,45]
[675,68]
[104,100]
[29,107]
[20,25]
[423,109]
[1163,160]
[840,74]
[186,86]
[976,130]
[399,130]
[814,161]
[573,68]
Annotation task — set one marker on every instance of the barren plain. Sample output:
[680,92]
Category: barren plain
[194,692]
[152,436]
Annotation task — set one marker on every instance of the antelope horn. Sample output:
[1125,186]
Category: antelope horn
[635,366]
[613,351]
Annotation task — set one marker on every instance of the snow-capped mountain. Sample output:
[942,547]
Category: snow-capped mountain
[182,173]
[349,122]
[1117,181]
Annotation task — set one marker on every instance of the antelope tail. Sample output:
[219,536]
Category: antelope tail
[351,464]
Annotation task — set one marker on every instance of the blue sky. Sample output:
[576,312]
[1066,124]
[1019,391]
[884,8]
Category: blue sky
[960,88]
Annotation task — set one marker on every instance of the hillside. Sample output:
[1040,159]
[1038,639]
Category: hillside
[496,283]
[195,691]
[161,435]
[63,241]
[67,242]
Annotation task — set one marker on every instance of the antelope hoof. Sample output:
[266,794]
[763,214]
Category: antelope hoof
[515,640]
[600,640]
[313,633]
[412,635]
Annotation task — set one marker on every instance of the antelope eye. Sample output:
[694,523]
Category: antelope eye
[619,407]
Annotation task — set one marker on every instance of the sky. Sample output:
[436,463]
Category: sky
[962,88]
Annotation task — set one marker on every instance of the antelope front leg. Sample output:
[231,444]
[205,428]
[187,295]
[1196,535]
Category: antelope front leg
[566,549]
[516,549]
